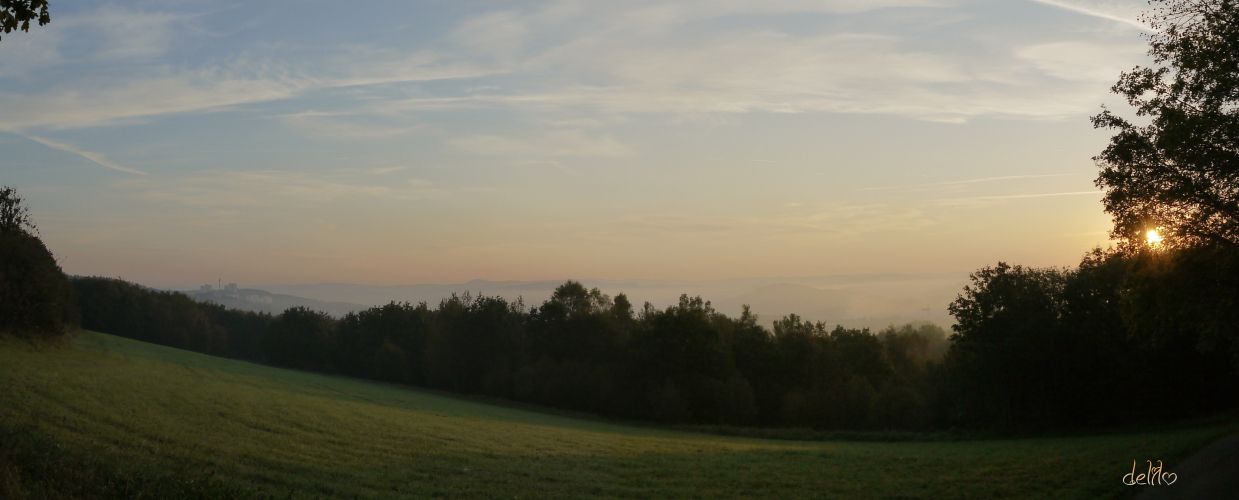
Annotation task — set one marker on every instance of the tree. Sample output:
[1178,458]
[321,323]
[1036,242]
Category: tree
[35,295]
[17,14]
[14,216]
[300,338]
[1180,173]
[1003,357]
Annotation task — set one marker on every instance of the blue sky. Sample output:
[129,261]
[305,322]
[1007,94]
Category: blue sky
[173,142]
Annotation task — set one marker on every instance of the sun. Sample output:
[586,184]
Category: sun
[1154,238]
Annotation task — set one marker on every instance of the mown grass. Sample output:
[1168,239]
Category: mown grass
[272,430]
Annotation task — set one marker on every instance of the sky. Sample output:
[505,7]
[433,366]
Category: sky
[177,142]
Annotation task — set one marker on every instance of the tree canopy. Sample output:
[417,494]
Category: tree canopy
[1179,174]
[14,216]
[17,14]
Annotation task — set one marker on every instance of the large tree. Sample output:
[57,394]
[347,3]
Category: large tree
[1179,174]
[17,14]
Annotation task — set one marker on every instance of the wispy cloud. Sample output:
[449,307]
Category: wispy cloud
[549,143]
[981,200]
[970,181]
[635,60]
[1121,12]
[599,57]
[816,222]
[274,189]
[137,85]
[95,157]
[335,126]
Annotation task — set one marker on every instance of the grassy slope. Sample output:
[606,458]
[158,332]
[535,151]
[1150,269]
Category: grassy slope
[280,430]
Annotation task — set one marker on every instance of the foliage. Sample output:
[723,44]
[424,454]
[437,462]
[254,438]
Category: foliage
[300,338]
[1187,298]
[17,14]
[35,296]
[1179,173]
[1080,347]
[385,343]
[580,350]
[168,318]
[14,215]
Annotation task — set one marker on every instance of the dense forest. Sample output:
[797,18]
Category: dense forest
[580,350]
[1123,337]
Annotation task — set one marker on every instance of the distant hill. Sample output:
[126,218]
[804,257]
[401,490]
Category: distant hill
[249,299]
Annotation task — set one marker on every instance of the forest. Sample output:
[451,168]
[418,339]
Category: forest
[1122,338]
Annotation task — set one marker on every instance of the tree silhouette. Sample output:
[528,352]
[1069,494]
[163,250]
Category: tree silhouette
[17,14]
[14,216]
[35,295]
[1180,173]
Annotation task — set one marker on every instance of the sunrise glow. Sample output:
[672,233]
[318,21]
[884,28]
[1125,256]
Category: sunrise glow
[1153,237]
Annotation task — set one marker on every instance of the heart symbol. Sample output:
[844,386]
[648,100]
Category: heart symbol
[1172,475]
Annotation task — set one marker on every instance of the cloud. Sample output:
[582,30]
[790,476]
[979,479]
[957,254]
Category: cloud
[686,58]
[95,157]
[1089,62]
[115,74]
[977,201]
[818,221]
[970,181]
[135,99]
[551,143]
[273,189]
[127,100]
[667,58]
[128,34]
[109,34]
[326,126]
[1122,12]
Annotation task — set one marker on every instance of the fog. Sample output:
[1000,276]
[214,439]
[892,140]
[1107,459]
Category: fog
[855,301]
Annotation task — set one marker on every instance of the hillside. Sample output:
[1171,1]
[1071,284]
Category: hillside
[319,435]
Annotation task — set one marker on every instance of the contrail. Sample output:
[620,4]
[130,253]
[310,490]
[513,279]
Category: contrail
[1084,10]
[95,157]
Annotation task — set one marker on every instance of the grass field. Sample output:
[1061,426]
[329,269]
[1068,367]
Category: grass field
[281,430]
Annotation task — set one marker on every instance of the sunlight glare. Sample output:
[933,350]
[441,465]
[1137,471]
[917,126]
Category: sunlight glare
[1153,237]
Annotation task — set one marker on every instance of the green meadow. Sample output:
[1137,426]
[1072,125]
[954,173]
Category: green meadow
[277,431]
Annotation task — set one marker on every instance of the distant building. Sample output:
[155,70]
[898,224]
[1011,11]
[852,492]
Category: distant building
[206,288]
[231,288]
[258,299]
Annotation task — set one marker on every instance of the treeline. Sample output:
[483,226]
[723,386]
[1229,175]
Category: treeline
[1142,334]
[580,350]
[1123,337]
[169,318]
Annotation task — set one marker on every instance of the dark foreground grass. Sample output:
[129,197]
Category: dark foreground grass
[35,466]
[160,414]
